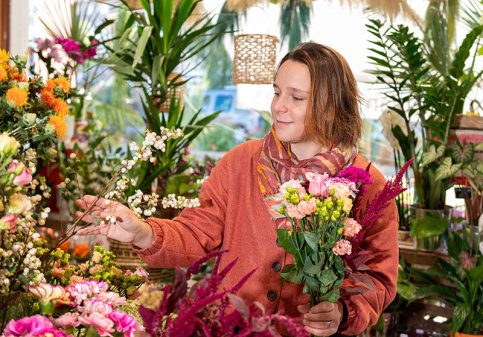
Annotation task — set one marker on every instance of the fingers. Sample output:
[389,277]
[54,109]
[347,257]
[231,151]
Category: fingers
[303,308]
[101,203]
[102,229]
[323,319]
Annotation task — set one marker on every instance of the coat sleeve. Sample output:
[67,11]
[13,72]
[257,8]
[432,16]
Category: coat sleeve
[183,240]
[382,243]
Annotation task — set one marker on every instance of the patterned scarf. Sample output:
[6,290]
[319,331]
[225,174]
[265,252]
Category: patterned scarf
[277,165]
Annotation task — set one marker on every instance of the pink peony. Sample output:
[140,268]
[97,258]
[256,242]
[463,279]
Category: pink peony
[67,320]
[293,184]
[342,247]
[97,320]
[9,222]
[316,183]
[23,176]
[351,227]
[307,207]
[125,323]
[293,212]
[140,271]
[91,305]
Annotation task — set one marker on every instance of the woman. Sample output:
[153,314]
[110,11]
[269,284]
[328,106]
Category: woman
[316,126]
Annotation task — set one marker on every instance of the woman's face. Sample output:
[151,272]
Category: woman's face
[289,103]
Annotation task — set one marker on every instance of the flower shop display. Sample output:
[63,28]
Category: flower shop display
[427,99]
[207,308]
[464,270]
[324,237]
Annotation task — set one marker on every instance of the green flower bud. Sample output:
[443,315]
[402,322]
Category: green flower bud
[29,119]
[329,204]
[331,191]
[340,202]
[319,203]
[49,129]
[336,214]
[306,197]
[340,231]
[324,212]
[47,308]
[50,154]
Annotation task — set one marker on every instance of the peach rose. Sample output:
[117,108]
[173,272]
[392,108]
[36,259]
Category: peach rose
[351,227]
[342,247]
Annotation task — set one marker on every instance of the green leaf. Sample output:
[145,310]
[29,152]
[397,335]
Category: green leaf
[314,269]
[293,276]
[339,264]
[312,240]
[432,154]
[460,314]
[428,226]
[462,154]
[312,282]
[332,296]
[327,277]
[446,169]
[141,45]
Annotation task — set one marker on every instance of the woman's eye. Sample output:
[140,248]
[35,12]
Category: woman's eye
[276,94]
[298,98]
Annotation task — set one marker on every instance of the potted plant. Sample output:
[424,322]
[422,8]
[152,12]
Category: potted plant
[427,100]
[463,269]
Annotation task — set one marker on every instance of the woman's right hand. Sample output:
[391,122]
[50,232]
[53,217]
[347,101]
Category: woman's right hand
[127,228]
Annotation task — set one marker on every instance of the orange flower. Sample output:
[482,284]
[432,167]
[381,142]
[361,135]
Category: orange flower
[48,97]
[17,97]
[60,107]
[81,250]
[4,56]
[59,124]
[50,85]
[65,246]
[3,73]
[15,76]
[63,84]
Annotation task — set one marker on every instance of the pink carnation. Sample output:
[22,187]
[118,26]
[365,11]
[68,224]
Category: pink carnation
[316,183]
[293,184]
[97,320]
[125,323]
[351,227]
[112,298]
[342,247]
[91,305]
[307,207]
[93,270]
[140,271]
[36,325]
[294,212]
[67,320]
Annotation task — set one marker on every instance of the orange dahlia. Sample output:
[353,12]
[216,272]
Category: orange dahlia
[59,124]
[60,107]
[4,56]
[17,97]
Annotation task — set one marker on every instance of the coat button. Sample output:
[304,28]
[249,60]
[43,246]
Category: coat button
[278,243]
[276,266]
[272,295]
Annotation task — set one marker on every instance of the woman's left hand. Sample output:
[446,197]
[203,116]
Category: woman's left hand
[322,319]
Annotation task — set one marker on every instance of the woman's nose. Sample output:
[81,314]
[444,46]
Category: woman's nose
[278,104]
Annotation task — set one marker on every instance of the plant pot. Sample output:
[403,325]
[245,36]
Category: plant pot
[460,334]
[429,225]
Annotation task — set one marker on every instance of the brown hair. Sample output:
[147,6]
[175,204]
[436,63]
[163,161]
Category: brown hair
[333,107]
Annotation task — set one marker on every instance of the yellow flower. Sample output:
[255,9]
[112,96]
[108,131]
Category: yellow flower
[17,97]
[3,73]
[4,56]
[59,124]
[63,84]
[60,107]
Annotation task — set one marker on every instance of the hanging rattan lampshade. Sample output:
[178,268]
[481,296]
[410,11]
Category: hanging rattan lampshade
[178,94]
[254,60]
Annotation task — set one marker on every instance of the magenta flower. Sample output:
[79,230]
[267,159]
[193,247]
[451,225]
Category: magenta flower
[125,323]
[23,176]
[9,222]
[30,327]
[359,176]
[67,320]
[97,320]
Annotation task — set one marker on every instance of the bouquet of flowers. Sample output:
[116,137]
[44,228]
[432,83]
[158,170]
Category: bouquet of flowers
[85,308]
[206,309]
[324,235]
[30,110]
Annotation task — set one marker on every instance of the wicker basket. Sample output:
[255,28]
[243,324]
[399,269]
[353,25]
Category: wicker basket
[255,57]
[128,259]
[135,5]
[179,95]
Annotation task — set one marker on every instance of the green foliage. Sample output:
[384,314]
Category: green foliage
[294,22]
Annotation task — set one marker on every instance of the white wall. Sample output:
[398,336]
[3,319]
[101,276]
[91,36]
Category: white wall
[19,27]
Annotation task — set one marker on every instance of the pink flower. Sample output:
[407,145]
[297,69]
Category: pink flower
[294,212]
[342,247]
[93,270]
[58,272]
[342,191]
[140,271]
[293,184]
[74,279]
[31,326]
[307,207]
[112,298]
[67,320]
[19,203]
[97,320]
[125,323]
[466,261]
[90,305]
[86,289]
[9,222]
[351,227]
[316,183]
[338,183]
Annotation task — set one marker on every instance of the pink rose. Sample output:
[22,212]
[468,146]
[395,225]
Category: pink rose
[67,320]
[97,320]
[316,183]
[9,222]
[294,212]
[23,176]
[351,227]
[125,323]
[293,184]
[307,207]
[140,271]
[342,247]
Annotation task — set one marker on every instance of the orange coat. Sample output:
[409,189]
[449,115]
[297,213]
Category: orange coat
[233,216]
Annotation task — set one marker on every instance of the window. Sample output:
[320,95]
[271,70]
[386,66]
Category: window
[223,103]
